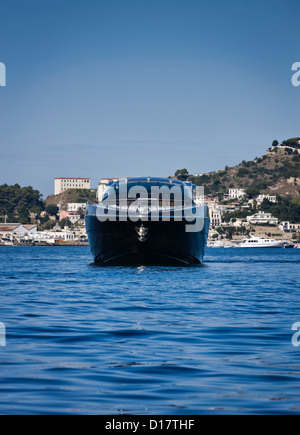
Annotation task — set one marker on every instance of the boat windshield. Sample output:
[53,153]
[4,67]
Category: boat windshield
[164,198]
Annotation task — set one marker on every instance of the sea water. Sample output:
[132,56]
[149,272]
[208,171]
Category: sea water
[215,339]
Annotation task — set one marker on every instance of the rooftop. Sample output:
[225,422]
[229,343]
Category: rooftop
[70,178]
[8,227]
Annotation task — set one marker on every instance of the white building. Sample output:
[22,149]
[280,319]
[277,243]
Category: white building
[287,227]
[295,228]
[73,218]
[215,218]
[284,226]
[103,185]
[237,193]
[11,231]
[262,218]
[199,197]
[76,206]
[271,198]
[63,184]
[51,237]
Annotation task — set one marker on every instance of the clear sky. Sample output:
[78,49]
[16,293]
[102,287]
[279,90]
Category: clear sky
[108,88]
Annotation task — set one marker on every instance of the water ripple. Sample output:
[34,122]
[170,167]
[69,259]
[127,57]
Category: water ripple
[154,340]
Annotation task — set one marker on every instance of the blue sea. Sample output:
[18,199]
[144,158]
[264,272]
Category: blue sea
[215,339]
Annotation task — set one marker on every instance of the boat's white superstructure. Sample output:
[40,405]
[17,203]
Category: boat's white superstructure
[261,242]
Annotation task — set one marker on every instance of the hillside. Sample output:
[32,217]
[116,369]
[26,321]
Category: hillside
[277,172]
[71,196]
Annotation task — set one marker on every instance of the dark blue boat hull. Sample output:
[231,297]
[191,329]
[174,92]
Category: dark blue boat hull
[166,243]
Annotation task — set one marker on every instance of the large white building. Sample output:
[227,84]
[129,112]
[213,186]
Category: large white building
[63,184]
[262,218]
[237,193]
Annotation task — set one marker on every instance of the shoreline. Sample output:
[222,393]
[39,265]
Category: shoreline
[24,245]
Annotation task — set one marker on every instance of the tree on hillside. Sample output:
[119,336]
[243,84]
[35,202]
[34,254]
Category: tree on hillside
[52,209]
[293,142]
[49,225]
[17,202]
[275,143]
[182,174]
[242,172]
[287,209]
[252,192]
[66,223]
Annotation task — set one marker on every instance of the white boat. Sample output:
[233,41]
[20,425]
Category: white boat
[218,244]
[261,242]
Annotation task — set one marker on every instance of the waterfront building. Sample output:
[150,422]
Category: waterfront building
[262,218]
[63,184]
[51,237]
[13,230]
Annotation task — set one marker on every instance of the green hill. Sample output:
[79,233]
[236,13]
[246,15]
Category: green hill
[277,172]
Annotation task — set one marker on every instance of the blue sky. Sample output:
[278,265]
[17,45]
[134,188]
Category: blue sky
[107,88]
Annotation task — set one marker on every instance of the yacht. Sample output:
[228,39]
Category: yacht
[218,244]
[131,226]
[261,242]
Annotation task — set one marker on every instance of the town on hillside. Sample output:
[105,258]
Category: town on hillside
[259,198]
